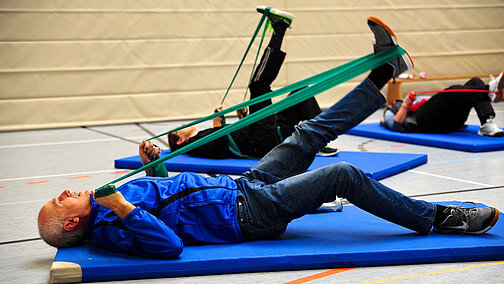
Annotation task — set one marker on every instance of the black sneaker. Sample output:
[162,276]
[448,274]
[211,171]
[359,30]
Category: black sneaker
[277,16]
[468,220]
[327,151]
[384,39]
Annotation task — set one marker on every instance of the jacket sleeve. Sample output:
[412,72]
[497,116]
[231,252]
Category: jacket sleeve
[389,121]
[141,233]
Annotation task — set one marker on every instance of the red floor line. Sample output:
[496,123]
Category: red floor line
[35,182]
[2,186]
[119,172]
[399,145]
[319,275]
[79,177]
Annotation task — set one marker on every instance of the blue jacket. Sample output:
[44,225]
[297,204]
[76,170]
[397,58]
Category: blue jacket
[170,212]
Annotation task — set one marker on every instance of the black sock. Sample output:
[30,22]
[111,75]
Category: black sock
[381,75]
[440,216]
[278,34]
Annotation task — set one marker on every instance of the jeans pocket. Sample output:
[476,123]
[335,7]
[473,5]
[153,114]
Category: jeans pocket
[243,210]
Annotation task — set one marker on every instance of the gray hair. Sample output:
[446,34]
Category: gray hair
[52,233]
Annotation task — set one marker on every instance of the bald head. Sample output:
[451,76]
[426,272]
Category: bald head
[62,220]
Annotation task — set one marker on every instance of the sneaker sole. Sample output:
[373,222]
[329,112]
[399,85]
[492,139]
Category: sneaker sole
[383,25]
[494,221]
[498,97]
[496,134]
[276,12]
[328,154]
[406,57]
[500,85]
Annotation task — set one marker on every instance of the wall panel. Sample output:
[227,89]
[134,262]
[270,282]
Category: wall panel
[76,63]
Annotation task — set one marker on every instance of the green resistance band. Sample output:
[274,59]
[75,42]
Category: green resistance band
[326,80]
[159,169]
[268,23]
[263,18]
[289,88]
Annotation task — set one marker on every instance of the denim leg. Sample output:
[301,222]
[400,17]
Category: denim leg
[272,206]
[297,152]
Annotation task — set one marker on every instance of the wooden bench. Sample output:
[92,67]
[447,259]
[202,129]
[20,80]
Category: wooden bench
[395,90]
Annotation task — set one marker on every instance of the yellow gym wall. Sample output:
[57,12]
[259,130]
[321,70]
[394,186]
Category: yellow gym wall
[75,63]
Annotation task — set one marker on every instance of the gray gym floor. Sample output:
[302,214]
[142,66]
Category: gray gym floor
[37,165]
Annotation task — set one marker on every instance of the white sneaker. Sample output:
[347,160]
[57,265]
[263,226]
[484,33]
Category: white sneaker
[490,129]
[335,206]
[496,85]
[276,16]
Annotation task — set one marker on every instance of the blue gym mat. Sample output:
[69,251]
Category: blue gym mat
[351,238]
[465,140]
[375,165]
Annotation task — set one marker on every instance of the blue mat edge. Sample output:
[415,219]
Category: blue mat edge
[415,161]
[420,140]
[420,160]
[292,263]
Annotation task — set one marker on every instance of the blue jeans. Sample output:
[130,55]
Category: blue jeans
[278,189]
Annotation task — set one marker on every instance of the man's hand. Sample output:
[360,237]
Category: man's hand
[217,121]
[116,202]
[148,153]
[241,113]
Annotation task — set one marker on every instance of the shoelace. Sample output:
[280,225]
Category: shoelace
[467,212]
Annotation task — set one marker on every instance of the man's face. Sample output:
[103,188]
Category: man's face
[68,203]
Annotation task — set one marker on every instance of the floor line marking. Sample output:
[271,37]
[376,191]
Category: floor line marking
[86,176]
[67,142]
[36,182]
[24,202]
[450,178]
[119,172]
[451,161]
[319,275]
[398,145]
[58,175]
[19,241]
[433,272]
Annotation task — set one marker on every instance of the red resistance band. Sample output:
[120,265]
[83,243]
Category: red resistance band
[414,107]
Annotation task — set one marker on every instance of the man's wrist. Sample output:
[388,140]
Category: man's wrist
[123,209]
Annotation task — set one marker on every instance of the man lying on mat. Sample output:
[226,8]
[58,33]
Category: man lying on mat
[448,110]
[257,139]
[156,216]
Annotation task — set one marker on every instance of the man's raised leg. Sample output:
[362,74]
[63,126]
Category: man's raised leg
[297,152]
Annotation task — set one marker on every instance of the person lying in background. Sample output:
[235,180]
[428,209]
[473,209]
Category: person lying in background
[257,139]
[448,111]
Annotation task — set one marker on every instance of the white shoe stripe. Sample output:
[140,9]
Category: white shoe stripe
[261,68]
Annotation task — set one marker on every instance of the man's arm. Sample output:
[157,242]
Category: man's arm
[403,110]
[142,234]
[116,202]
